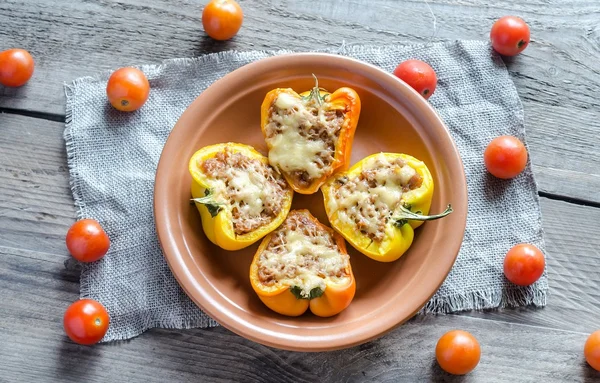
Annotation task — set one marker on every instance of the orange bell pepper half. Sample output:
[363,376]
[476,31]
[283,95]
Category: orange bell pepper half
[309,135]
[303,265]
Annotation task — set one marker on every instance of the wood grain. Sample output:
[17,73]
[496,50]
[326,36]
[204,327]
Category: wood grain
[36,206]
[573,265]
[555,76]
[405,354]
[38,280]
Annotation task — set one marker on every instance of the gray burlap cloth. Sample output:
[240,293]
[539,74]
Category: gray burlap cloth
[113,156]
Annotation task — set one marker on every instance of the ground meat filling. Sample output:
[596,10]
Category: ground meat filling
[252,190]
[312,122]
[369,199]
[301,253]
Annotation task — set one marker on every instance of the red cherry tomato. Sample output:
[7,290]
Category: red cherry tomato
[87,241]
[524,264]
[86,321]
[16,67]
[592,350]
[505,157]
[509,35]
[127,89]
[419,75]
[222,19]
[458,352]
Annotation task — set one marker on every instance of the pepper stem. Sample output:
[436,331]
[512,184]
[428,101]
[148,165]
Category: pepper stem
[315,93]
[406,214]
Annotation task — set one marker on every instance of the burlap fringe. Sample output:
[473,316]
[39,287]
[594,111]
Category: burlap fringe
[486,299]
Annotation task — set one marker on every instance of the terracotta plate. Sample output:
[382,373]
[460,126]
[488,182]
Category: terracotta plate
[394,118]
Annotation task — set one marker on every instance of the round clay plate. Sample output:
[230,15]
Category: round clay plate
[394,118]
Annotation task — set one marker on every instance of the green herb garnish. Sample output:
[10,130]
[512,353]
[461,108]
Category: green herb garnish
[314,293]
[213,206]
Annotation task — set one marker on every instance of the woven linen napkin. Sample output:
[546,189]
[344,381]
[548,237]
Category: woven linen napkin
[112,158]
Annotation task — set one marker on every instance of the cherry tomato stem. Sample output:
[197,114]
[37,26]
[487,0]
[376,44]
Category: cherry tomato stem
[127,89]
[418,75]
[86,321]
[510,35]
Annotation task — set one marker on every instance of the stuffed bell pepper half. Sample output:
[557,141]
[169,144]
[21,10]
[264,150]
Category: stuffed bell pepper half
[303,265]
[377,204]
[240,197]
[309,135]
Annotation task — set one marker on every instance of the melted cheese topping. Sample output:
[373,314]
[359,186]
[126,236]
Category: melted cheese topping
[286,101]
[302,136]
[292,152]
[369,199]
[251,190]
[304,257]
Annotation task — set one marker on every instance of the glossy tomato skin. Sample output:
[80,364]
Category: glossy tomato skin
[86,321]
[510,35]
[592,350]
[16,67]
[505,157]
[418,75]
[87,241]
[222,19]
[524,264]
[458,352]
[127,89]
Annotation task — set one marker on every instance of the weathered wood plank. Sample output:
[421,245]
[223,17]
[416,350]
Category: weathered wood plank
[558,83]
[36,206]
[554,76]
[573,264]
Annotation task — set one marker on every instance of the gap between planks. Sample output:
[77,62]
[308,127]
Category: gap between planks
[30,113]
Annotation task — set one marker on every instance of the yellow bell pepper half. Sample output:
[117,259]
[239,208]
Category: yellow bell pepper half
[217,218]
[407,209]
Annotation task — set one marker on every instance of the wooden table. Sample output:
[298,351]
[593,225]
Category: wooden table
[557,77]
